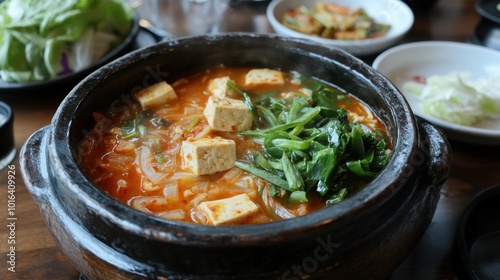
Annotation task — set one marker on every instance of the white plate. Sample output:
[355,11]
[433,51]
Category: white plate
[401,63]
[393,12]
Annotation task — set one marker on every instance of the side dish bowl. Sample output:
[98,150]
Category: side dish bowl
[393,12]
[403,63]
[365,236]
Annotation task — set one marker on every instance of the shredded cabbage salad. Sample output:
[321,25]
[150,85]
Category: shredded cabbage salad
[457,98]
[42,39]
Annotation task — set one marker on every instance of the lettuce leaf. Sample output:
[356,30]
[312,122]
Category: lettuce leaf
[456,98]
[37,36]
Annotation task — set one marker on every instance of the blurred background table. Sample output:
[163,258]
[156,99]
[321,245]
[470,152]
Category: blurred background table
[474,167]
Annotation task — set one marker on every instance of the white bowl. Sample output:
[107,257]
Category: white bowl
[404,62]
[393,12]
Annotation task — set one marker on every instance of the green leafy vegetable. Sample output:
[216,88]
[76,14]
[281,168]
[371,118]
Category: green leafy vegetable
[129,128]
[42,39]
[309,145]
[297,196]
[136,127]
[456,98]
[247,99]
[268,176]
[293,177]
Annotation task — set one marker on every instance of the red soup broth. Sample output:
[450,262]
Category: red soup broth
[155,180]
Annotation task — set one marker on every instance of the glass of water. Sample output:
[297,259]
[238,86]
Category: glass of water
[188,17]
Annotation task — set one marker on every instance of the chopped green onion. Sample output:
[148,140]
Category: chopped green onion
[247,100]
[191,125]
[129,129]
[269,116]
[293,177]
[273,191]
[297,197]
[309,145]
[268,176]
[291,144]
[261,161]
[307,117]
[157,150]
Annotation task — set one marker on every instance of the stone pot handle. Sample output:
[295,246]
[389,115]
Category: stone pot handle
[33,162]
[434,147]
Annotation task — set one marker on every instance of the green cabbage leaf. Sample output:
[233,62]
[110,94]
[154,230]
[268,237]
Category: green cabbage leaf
[457,98]
[41,39]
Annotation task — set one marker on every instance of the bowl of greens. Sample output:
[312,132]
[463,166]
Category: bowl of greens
[51,42]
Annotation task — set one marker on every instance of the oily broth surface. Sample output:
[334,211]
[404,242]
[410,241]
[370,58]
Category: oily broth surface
[116,165]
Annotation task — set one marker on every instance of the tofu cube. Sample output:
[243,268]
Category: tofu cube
[218,87]
[226,114]
[228,210]
[259,77]
[157,94]
[208,155]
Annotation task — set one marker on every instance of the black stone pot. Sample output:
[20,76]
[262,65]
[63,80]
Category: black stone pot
[365,237]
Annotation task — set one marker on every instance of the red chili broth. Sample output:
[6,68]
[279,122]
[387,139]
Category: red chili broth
[109,162]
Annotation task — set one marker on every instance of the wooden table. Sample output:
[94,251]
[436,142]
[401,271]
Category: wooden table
[474,167]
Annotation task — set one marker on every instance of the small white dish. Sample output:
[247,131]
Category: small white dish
[393,12]
[402,63]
